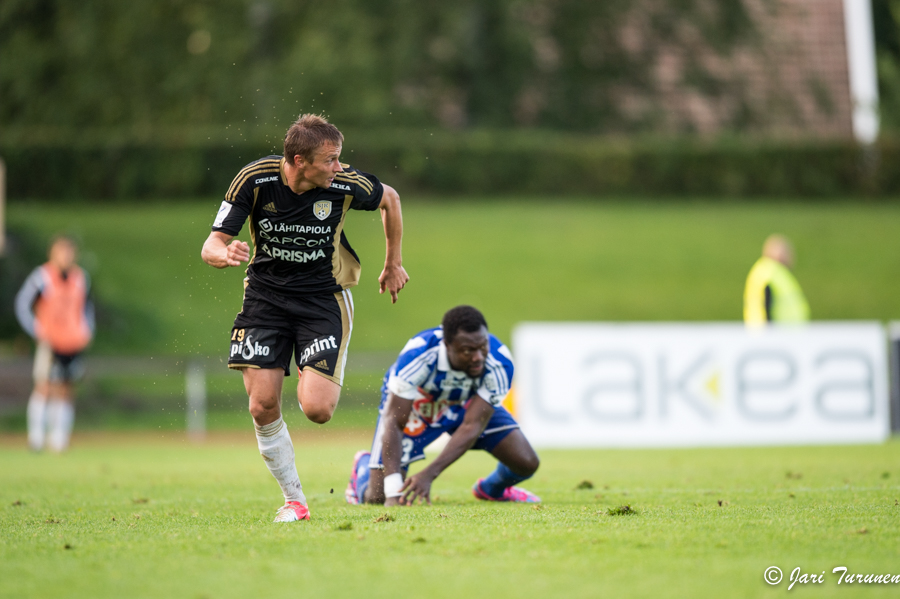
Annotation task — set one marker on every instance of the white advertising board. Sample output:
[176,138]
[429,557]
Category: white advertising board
[680,385]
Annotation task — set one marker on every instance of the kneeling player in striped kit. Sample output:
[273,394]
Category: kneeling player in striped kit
[451,379]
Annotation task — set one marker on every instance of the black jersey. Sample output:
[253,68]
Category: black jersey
[299,246]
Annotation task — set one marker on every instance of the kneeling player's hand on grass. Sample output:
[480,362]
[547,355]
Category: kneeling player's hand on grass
[237,252]
[392,501]
[418,487]
[392,279]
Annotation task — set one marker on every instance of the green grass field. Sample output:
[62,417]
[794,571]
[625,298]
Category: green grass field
[144,513]
[156,516]
[517,260]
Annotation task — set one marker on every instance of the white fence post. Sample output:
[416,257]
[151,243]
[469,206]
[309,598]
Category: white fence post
[195,391]
[894,367]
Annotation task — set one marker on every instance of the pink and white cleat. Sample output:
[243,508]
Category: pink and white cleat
[350,492]
[514,494]
[291,512]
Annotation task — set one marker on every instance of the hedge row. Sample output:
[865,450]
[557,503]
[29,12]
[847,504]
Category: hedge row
[479,162]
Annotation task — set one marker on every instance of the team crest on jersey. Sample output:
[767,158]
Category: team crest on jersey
[414,426]
[426,411]
[322,209]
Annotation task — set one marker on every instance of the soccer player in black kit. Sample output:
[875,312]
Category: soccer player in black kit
[297,291]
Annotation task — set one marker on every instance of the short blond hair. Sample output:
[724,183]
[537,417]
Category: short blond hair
[62,238]
[309,133]
[779,248]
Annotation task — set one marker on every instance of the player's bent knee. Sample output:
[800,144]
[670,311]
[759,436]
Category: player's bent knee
[525,464]
[318,415]
[262,416]
[529,461]
[318,396]
[318,410]
[264,410]
[532,463]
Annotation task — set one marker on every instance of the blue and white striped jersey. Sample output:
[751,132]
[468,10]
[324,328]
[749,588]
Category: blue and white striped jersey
[422,373]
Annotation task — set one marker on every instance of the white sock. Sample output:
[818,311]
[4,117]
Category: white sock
[277,450]
[61,417]
[37,420]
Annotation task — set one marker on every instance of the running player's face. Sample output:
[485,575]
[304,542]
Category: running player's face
[325,165]
[468,351]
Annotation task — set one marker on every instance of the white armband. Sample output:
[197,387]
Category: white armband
[392,485]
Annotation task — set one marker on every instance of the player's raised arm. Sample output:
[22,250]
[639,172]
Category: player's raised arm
[218,252]
[393,277]
[478,414]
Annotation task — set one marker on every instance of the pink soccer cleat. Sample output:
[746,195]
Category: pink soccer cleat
[291,512]
[350,491]
[514,494]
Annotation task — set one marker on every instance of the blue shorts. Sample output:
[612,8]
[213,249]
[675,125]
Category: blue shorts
[499,426]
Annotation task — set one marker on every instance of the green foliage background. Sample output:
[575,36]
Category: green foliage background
[886,21]
[470,63]
[151,98]
[147,65]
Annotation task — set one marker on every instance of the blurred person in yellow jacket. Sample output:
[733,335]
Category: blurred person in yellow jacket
[772,293]
[54,307]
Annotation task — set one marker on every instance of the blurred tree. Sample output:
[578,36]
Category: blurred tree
[185,64]
[886,17]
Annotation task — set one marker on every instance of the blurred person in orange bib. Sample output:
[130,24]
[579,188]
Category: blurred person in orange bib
[54,307]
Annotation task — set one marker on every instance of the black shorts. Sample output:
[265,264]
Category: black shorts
[53,367]
[271,327]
